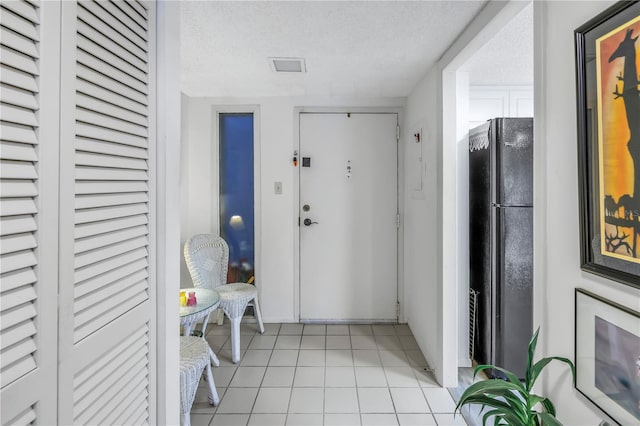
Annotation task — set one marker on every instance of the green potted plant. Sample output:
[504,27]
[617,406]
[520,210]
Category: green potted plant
[510,401]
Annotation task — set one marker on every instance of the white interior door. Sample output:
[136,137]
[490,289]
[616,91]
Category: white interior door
[348,208]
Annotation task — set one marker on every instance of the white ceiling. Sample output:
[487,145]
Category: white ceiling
[351,48]
[506,59]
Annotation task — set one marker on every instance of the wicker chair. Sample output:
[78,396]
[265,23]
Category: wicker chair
[207,258]
[194,359]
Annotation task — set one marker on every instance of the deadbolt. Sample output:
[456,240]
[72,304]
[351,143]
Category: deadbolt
[306,208]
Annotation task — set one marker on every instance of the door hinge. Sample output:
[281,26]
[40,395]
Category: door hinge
[398,220]
[398,310]
[397,133]
[298,220]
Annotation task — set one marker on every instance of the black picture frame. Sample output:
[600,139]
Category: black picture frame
[607,353]
[593,230]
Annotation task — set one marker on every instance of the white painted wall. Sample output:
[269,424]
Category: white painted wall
[275,279]
[556,236]
[432,254]
[486,102]
[420,224]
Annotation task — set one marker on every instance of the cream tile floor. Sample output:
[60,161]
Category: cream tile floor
[338,375]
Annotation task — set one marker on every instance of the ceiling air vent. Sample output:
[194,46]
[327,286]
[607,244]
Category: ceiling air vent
[287,64]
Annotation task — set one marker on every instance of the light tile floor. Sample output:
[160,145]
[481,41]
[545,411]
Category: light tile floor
[339,375]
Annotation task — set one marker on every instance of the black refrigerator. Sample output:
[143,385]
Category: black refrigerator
[501,241]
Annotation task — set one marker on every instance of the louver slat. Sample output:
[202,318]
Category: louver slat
[18,369]
[113,275]
[17,152]
[109,174]
[94,215]
[17,133]
[111,97]
[101,79]
[89,277]
[111,290]
[27,417]
[109,226]
[17,315]
[105,239]
[108,135]
[17,225]
[17,170]
[23,9]
[98,187]
[16,279]
[129,17]
[108,56]
[135,5]
[91,320]
[115,111]
[18,206]
[18,61]
[106,200]
[19,98]
[15,261]
[16,298]
[17,352]
[17,78]
[100,39]
[18,242]
[137,394]
[86,16]
[94,256]
[18,42]
[96,388]
[92,117]
[98,9]
[18,24]
[16,188]
[114,73]
[117,150]
[15,334]
[18,115]
[136,412]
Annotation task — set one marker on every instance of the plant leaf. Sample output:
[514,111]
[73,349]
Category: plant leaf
[534,400]
[499,388]
[499,395]
[532,349]
[512,378]
[540,365]
[548,406]
[547,419]
[489,414]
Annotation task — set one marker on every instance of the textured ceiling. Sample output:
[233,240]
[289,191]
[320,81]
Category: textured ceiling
[507,58]
[361,48]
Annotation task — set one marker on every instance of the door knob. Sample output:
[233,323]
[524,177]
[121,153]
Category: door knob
[308,222]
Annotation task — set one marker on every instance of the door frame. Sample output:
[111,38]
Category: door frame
[254,109]
[297,111]
[452,127]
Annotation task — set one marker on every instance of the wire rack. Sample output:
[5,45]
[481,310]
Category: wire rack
[473,320]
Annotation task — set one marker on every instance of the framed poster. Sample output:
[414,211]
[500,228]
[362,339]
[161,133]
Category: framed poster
[607,69]
[608,356]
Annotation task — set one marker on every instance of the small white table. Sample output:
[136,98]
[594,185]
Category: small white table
[207,301]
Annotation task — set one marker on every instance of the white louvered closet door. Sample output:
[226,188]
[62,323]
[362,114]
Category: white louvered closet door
[107,316]
[29,79]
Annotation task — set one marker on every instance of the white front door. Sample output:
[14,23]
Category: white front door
[348,208]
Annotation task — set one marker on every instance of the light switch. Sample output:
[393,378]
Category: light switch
[277,188]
